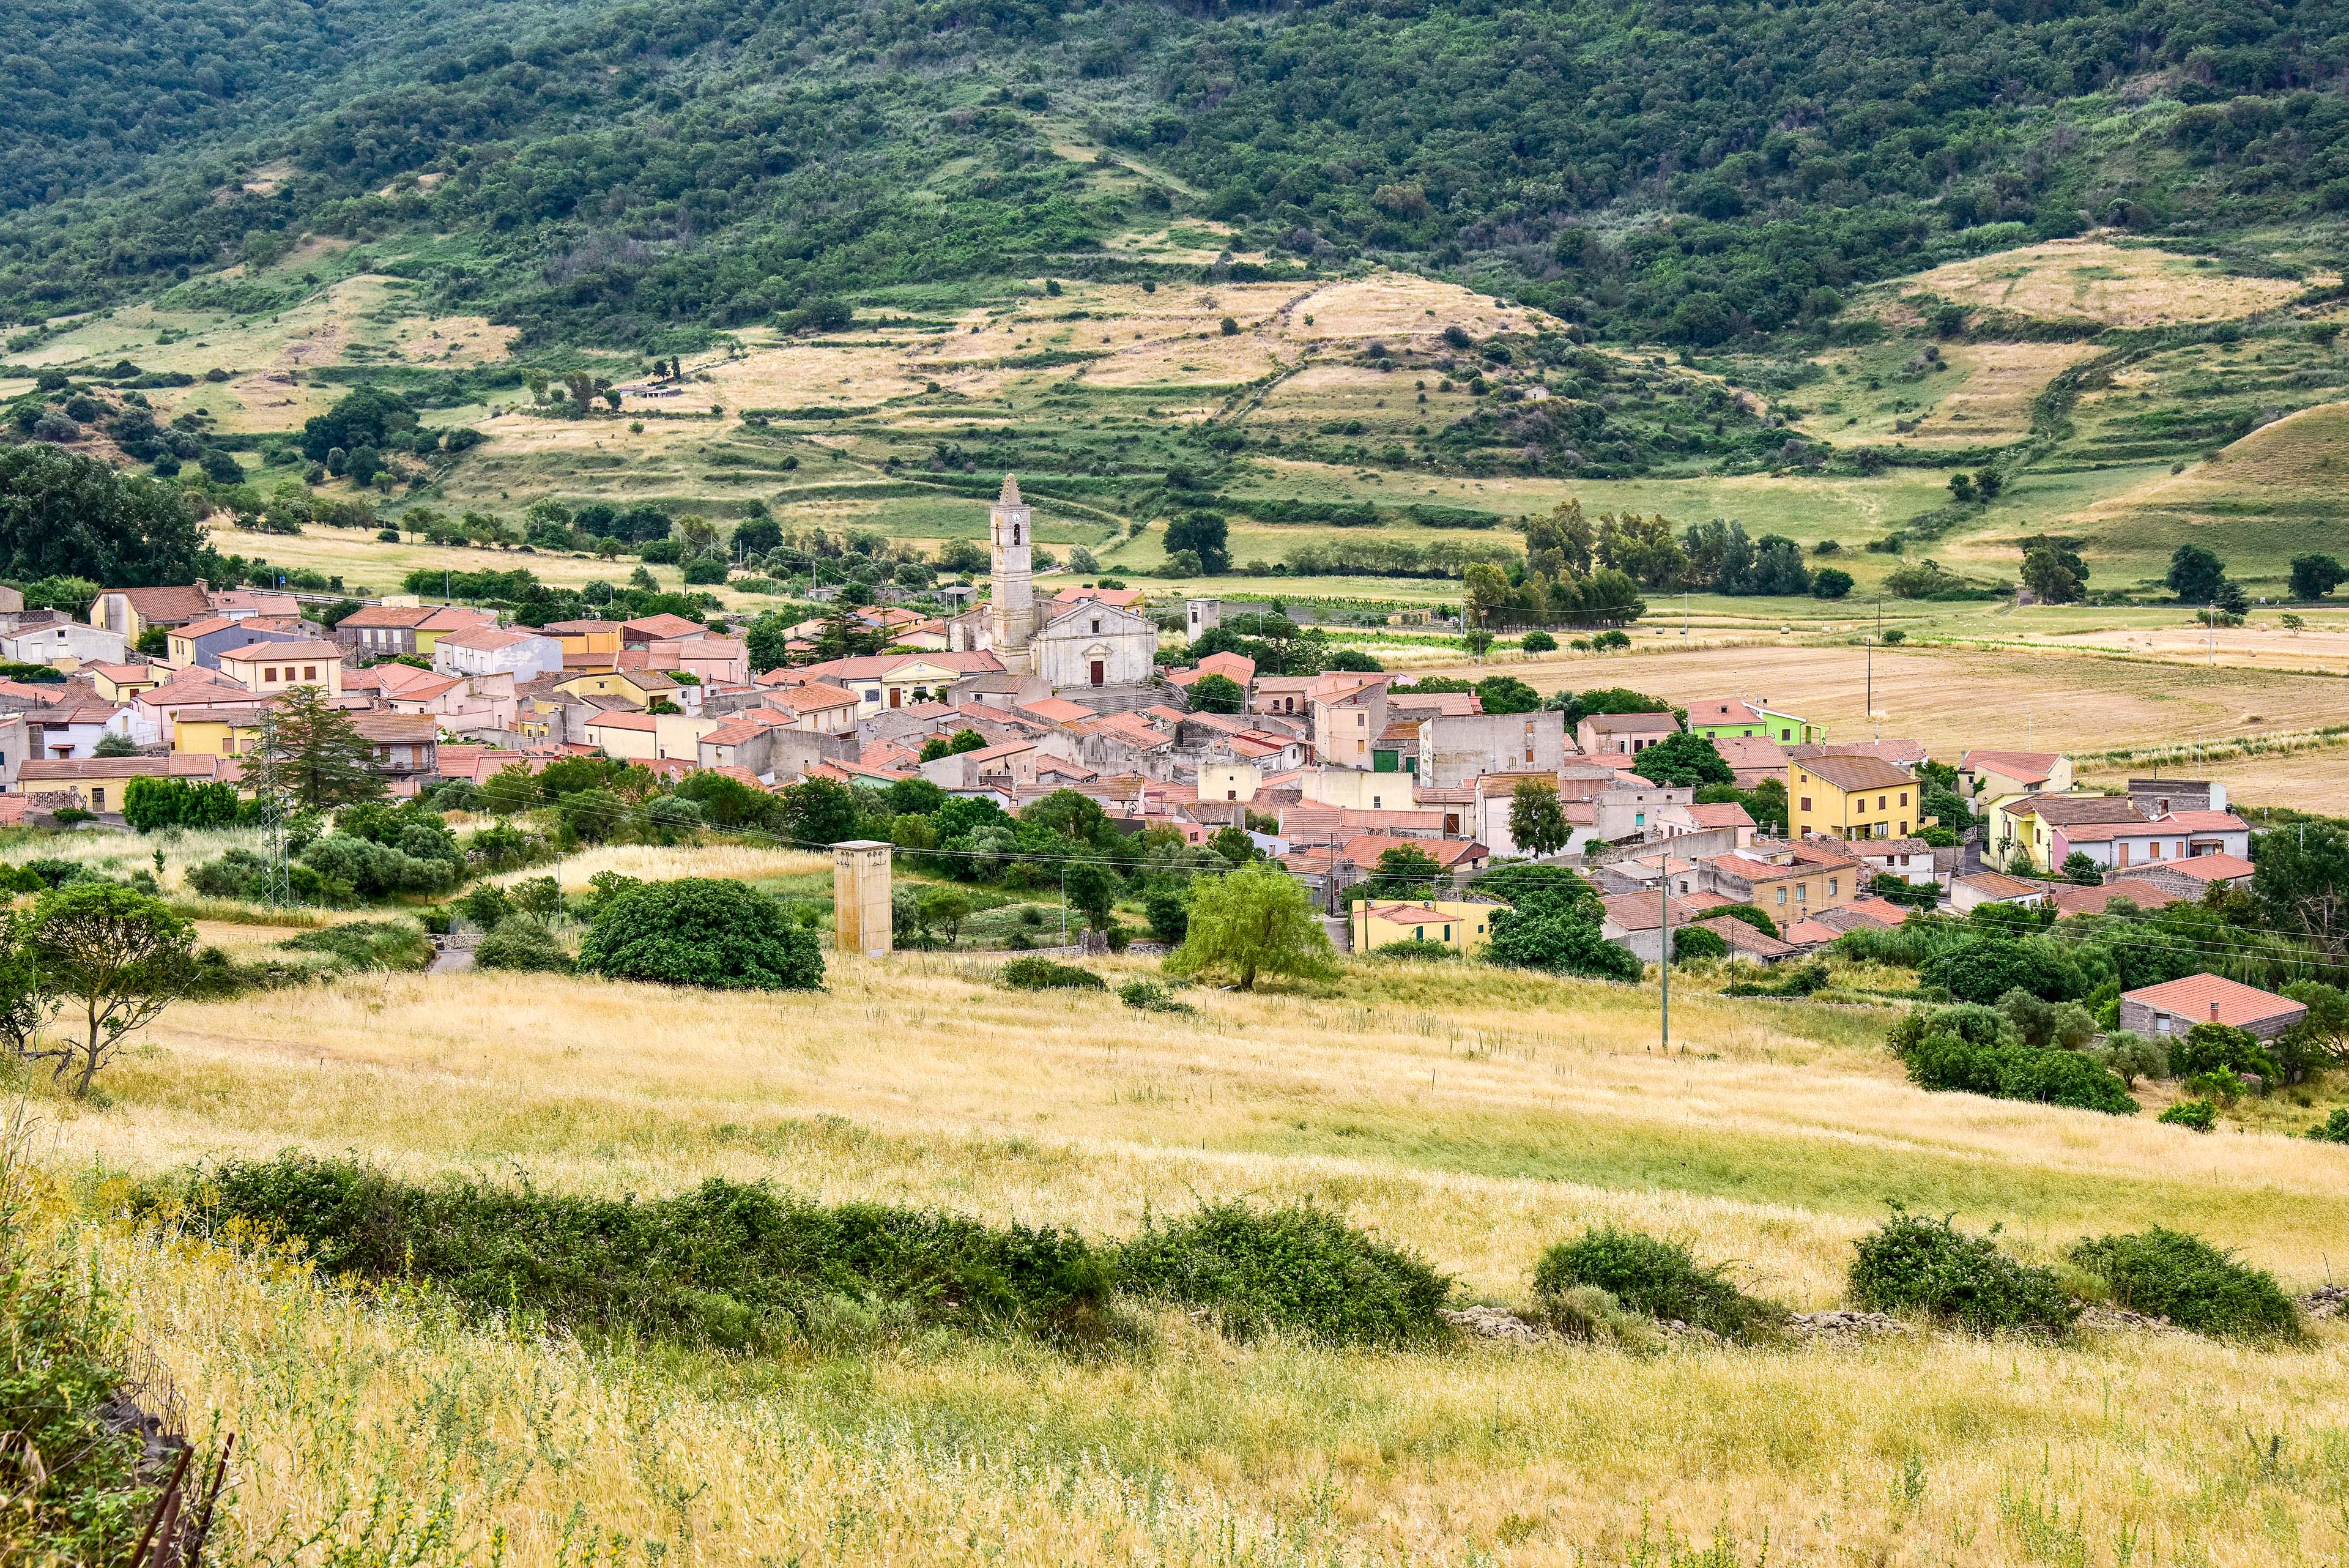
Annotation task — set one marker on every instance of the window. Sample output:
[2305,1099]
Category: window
[1880,802]
[1904,797]
[1782,894]
[1802,892]
[309,672]
[1835,888]
[1806,803]
[269,674]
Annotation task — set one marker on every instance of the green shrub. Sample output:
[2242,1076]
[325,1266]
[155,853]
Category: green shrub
[1696,942]
[1299,1269]
[522,943]
[726,1264]
[2192,1284]
[368,944]
[1646,1274]
[1045,974]
[2333,1129]
[1149,996]
[2199,1116]
[701,931]
[1913,1263]
[1973,1048]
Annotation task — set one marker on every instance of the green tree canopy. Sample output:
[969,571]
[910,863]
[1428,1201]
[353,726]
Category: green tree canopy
[1253,922]
[64,514]
[698,931]
[1537,821]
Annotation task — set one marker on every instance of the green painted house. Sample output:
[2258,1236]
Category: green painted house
[1724,719]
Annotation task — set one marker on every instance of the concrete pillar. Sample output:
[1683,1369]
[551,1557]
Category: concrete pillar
[861,897]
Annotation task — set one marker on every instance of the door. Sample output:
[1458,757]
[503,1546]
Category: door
[1099,673]
[896,696]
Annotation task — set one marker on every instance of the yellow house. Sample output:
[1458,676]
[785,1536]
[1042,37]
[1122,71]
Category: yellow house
[649,737]
[1355,789]
[580,637]
[638,686]
[1445,922]
[216,731]
[269,668]
[121,682]
[1229,781]
[1853,797]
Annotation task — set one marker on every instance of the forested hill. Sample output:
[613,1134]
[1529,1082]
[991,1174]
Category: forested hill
[643,174]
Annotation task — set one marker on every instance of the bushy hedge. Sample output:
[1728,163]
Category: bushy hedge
[1044,974]
[2333,1129]
[2186,1279]
[701,931]
[521,944]
[1297,1269]
[726,1264]
[368,944]
[1973,1049]
[1914,1263]
[1647,1274]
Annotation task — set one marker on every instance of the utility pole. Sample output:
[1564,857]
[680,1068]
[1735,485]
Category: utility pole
[1684,615]
[1664,969]
[1064,904]
[1871,686]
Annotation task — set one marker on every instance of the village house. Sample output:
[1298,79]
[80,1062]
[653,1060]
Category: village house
[1967,894]
[1851,797]
[1460,924]
[96,785]
[2175,1007]
[1347,718]
[498,650]
[67,644]
[200,644]
[1623,734]
[401,746]
[2178,836]
[1729,718]
[1785,880]
[1454,748]
[131,613]
[1989,774]
[267,669]
[391,631]
[74,729]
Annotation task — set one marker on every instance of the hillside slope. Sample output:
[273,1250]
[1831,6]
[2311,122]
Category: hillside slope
[643,174]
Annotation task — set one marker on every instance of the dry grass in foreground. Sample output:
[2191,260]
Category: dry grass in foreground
[1472,1115]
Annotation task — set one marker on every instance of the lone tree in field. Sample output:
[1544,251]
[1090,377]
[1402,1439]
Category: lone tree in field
[1536,821]
[314,753]
[1257,921]
[114,956]
[698,931]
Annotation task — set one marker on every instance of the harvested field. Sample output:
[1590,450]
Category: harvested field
[2120,286]
[1954,698]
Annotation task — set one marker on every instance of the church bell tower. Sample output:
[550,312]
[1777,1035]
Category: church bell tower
[1012,609]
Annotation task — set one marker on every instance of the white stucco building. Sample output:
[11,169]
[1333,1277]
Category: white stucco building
[494,651]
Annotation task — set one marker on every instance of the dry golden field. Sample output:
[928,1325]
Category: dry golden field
[2122,285]
[1956,697]
[1475,1116]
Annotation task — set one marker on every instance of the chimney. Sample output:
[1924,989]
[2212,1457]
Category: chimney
[2214,1012]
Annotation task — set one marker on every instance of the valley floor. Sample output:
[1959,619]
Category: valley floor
[1472,1116]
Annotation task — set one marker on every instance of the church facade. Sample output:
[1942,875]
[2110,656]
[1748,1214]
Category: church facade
[1087,645]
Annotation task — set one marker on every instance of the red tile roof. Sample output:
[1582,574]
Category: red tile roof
[2209,997]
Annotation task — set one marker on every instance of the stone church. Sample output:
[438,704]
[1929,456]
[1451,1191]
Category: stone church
[1087,644]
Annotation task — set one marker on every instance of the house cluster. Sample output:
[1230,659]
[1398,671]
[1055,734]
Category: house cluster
[1019,696]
